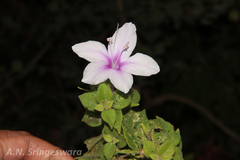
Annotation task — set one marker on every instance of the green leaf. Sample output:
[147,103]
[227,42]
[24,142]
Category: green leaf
[135,118]
[109,116]
[93,119]
[150,127]
[115,140]
[101,157]
[88,157]
[176,137]
[154,157]
[119,117]
[106,130]
[167,148]
[122,142]
[107,138]
[95,148]
[145,130]
[92,141]
[114,135]
[99,107]
[160,137]
[88,100]
[132,128]
[166,126]
[128,151]
[132,140]
[108,104]
[104,93]
[135,98]
[108,150]
[121,100]
[153,124]
[178,153]
[149,147]
[166,157]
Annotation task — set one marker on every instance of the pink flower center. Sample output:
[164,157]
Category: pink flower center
[114,63]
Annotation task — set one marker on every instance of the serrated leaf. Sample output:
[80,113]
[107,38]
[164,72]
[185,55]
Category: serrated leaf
[121,100]
[108,150]
[149,147]
[107,138]
[99,107]
[104,93]
[93,119]
[88,100]
[167,148]
[109,116]
[119,117]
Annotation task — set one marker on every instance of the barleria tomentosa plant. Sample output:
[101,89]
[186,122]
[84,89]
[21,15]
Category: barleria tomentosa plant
[126,134]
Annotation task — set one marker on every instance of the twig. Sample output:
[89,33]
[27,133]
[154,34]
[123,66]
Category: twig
[29,68]
[120,8]
[170,97]
[17,96]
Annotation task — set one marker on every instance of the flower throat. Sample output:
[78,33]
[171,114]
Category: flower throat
[115,64]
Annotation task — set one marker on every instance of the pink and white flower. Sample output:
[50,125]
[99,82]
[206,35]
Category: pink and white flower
[115,63]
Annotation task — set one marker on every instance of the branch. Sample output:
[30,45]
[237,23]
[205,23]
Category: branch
[170,97]
[29,67]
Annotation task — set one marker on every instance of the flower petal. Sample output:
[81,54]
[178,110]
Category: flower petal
[124,35]
[140,65]
[95,73]
[121,80]
[91,51]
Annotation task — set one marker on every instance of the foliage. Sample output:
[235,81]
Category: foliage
[126,134]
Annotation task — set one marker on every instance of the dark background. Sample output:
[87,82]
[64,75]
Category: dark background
[196,44]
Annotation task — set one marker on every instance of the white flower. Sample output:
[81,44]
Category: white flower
[115,63]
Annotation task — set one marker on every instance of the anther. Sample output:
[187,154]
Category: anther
[109,39]
[126,46]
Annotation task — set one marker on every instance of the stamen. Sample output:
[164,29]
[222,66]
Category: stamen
[125,47]
[115,64]
[113,42]
[115,36]
[109,39]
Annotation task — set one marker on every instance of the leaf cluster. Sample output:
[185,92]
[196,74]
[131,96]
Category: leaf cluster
[126,134]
